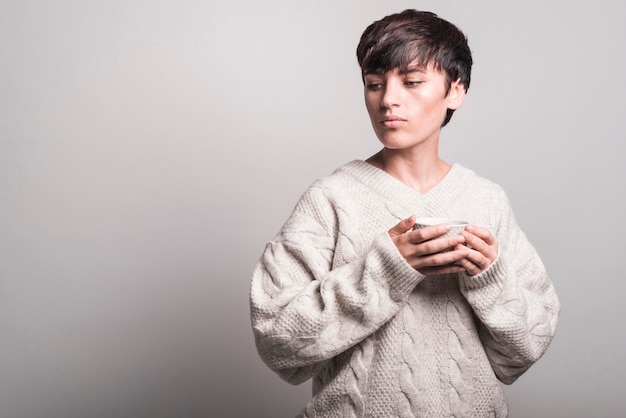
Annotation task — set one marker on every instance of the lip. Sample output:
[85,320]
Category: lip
[392,121]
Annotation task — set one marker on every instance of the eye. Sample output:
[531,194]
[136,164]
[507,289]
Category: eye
[374,86]
[413,83]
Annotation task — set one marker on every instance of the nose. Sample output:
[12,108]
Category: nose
[391,95]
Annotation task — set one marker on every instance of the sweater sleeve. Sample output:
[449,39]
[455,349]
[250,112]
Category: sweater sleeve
[514,300]
[305,312]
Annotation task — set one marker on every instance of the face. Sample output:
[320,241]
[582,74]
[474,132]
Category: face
[407,109]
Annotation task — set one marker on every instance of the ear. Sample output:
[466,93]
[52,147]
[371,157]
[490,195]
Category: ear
[456,95]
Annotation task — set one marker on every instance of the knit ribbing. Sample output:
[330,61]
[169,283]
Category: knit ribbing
[436,200]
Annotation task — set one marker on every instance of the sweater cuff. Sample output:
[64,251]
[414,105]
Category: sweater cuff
[398,273]
[491,278]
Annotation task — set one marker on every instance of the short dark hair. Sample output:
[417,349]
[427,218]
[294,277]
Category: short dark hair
[398,40]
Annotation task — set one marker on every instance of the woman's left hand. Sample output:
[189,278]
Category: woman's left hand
[483,249]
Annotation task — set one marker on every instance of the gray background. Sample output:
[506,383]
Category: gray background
[149,149]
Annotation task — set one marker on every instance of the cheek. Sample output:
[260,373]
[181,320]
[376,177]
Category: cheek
[435,108]
[370,105]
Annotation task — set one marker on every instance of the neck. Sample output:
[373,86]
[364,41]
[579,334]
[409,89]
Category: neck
[420,171]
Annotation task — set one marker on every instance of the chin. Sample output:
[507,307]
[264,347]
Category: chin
[395,144]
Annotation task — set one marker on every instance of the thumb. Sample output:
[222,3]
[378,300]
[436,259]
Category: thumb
[403,226]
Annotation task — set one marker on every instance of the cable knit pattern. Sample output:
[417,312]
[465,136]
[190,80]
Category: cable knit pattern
[333,300]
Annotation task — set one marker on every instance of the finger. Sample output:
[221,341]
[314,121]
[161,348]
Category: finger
[441,259]
[428,233]
[403,226]
[474,262]
[469,267]
[473,241]
[487,246]
[482,233]
[445,263]
[438,245]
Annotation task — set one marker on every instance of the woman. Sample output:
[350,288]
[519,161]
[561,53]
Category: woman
[388,320]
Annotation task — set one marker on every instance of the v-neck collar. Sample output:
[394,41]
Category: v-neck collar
[435,201]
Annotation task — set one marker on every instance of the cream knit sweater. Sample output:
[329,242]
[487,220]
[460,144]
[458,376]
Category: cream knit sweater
[333,300]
